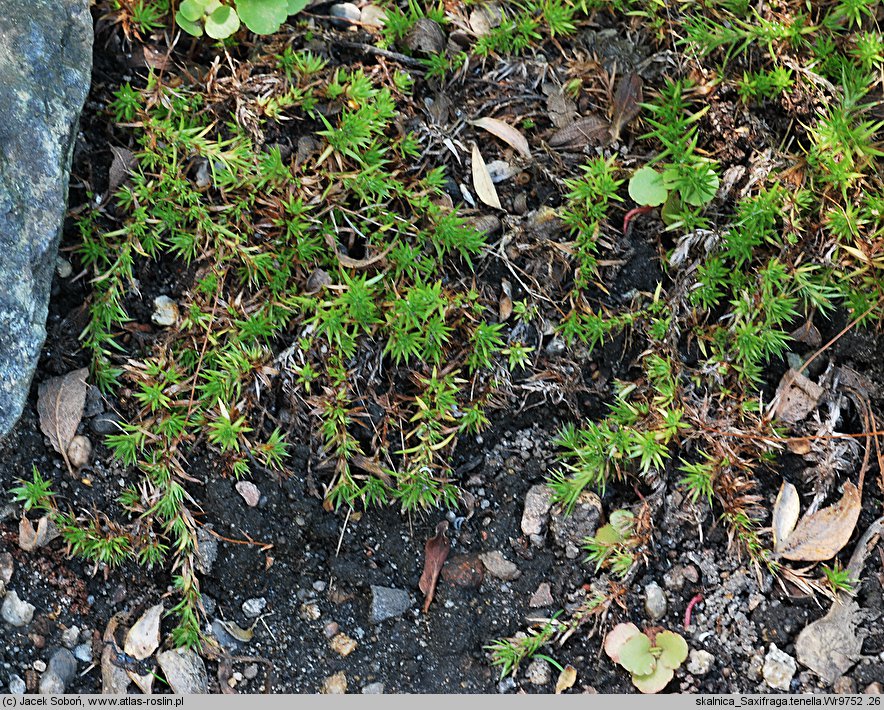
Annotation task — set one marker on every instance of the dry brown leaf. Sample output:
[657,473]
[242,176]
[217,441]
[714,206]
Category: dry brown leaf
[60,402]
[435,554]
[30,539]
[786,512]
[509,135]
[626,102]
[144,636]
[822,535]
[796,397]
[587,131]
[566,680]
[482,180]
[121,166]
[505,304]
[485,18]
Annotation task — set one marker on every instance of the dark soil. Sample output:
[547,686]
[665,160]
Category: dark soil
[295,554]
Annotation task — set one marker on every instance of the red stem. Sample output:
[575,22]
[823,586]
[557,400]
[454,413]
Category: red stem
[691,604]
[627,218]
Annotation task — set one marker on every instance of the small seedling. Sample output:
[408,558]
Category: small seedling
[695,184]
[651,657]
[612,544]
[220,21]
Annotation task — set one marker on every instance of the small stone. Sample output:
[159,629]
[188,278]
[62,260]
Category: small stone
[538,672]
[184,671]
[425,36]
[79,451]
[83,652]
[870,689]
[778,669]
[63,664]
[7,565]
[700,662]
[655,602]
[571,529]
[538,501]
[498,566]
[676,578]
[542,597]
[17,685]
[844,686]
[249,492]
[373,16]
[343,645]
[63,267]
[69,637]
[309,611]
[51,684]
[105,423]
[387,603]
[206,551]
[15,611]
[165,311]
[373,689]
[250,672]
[346,13]
[331,629]
[319,586]
[334,685]
[466,571]
[506,685]
[252,608]
[39,665]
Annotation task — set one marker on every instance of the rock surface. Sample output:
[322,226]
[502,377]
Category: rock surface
[15,611]
[779,667]
[45,62]
[387,603]
[184,671]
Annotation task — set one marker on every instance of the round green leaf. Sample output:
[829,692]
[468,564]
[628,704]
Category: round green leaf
[675,649]
[263,17]
[608,535]
[617,637]
[702,188]
[646,187]
[655,681]
[222,23]
[636,656]
[622,521]
[191,10]
[295,6]
[192,28]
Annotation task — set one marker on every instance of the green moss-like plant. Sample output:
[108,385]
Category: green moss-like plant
[651,659]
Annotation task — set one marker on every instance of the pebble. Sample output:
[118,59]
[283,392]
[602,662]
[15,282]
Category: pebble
[343,645]
[373,16]
[498,566]
[700,662]
[63,268]
[250,672]
[373,689]
[63,664]
[83,652]
[676,578]
[345,12]
[538,672]
[655,601]
[334,685]
[39,665]
[16,612]
[252,608]
[871,688]
[309,611]
[7,565]
[319,586]
[79,451]
[184,671]
[206,550]
[542,597]
[388,603]
[506,685]
[538,501]
[165,311]
[331,629]
[17,686]
[778,669]
[844,686]
[69,637]
[249,492]
[105,423]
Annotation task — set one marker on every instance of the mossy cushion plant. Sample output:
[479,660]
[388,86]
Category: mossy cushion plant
[651,658]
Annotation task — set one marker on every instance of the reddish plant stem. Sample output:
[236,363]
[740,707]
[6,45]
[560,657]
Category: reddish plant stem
[687,612]
[627,218]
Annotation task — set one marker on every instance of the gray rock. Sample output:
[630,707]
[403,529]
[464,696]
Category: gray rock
[63,665]
[506,685]
[388,603]
[83,652]
[7,565]
[542,597]
[252,608]
[345,12]
[655,602]
[498,566]
[778,669]
[51,684]
[69,637]
[537,504]
[700,662]
[184,671]
[538,672]
[15,611]
[571,529]
[17,686]
[105,423]
[206,551]
[45,62]
[373,689]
